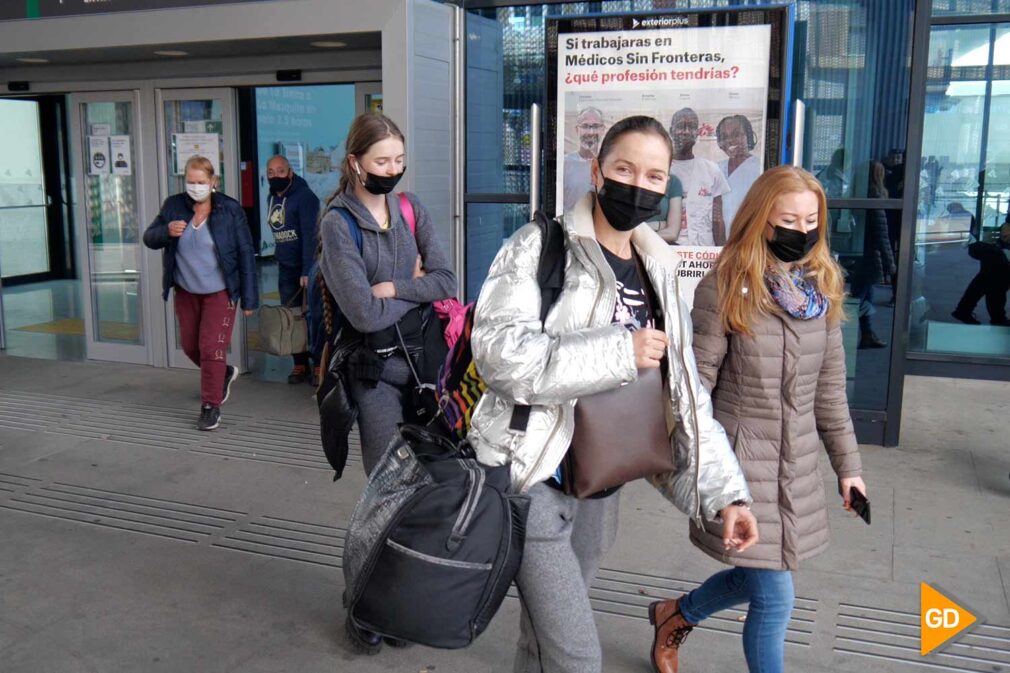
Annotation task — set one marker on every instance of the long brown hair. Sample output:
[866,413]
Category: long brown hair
[878,183]
[740,270]
[365,131]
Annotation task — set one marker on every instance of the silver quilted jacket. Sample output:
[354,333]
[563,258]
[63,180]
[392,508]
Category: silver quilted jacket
[579,352]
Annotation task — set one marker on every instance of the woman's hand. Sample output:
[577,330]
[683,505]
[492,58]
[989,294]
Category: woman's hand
[247,312]
[419,268]
[846,485]
[739,528]
[384,291]
[176,228]
[650,347]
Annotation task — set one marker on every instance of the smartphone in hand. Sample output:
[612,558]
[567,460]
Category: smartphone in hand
[860,504]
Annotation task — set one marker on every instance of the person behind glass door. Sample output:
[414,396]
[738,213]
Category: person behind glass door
[589,127]
[292,212]
[736,138]
[894,183]
[704,184]
[210,261]
[598,335]
[768,342]
[993,278]
[381,287]
[877,261]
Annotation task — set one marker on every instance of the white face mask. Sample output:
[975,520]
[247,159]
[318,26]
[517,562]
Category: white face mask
[198,193]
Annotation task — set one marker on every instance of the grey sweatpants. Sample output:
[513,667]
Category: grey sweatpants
[380,409]
[566,539]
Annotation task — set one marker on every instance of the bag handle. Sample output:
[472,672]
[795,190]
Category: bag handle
[475,486]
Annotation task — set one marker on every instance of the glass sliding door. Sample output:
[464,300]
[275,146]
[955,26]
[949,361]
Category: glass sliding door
[24,246]
[107,131]
[962,242]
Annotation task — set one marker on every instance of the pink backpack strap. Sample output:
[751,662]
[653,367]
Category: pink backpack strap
[407,210]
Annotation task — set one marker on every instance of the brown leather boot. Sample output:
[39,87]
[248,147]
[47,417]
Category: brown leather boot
[671,631]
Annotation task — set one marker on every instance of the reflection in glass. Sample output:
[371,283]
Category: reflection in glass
[113,228]
[861,239]
[852,61]
[970,7]
[488,226]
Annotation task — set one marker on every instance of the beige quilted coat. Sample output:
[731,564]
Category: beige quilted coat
[778,394]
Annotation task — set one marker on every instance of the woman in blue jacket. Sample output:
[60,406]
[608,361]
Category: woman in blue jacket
[210,261]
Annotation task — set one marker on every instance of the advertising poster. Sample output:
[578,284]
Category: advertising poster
[708,85]
[119,151]
[197,144]
[98,155]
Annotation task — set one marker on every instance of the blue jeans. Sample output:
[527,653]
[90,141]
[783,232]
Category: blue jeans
[771,597]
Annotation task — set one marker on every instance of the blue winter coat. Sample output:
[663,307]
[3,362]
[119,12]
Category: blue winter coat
[232,241]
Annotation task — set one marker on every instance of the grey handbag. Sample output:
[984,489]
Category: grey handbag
[282,329]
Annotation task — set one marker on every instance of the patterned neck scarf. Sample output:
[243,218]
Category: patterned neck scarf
[795,294]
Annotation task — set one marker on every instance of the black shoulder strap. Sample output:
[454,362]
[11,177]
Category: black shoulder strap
[551,270]
[551,277]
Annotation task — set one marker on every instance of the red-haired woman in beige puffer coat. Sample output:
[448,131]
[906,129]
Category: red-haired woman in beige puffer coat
[768,342]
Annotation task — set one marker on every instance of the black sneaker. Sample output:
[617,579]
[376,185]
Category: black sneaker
[210,417]
[299,374]
[230,374]
[967,317]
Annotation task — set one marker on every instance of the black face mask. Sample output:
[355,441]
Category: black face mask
[790,245]
[627,206]
[381,184]
[278,185]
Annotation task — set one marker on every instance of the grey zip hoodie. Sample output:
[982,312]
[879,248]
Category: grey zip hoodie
[386,256]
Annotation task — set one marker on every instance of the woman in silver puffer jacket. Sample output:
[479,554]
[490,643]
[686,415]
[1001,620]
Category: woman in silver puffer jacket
[596,337]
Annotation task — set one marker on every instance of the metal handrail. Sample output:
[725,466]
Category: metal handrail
[534,159]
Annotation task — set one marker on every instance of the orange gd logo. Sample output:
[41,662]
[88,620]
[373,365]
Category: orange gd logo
[940,619]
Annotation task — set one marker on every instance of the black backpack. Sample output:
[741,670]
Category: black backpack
[433,544]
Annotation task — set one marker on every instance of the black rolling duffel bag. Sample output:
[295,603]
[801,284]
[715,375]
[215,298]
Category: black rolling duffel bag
[434,543]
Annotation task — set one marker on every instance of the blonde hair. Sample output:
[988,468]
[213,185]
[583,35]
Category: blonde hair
[199,163]
[741,268]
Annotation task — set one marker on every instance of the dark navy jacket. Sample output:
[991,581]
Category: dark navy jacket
[293,218]
[232,240]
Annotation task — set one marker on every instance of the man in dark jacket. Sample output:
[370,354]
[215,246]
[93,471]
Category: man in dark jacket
[292,213]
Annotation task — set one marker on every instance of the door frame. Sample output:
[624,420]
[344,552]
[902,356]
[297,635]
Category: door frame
[229,140]
[149,282]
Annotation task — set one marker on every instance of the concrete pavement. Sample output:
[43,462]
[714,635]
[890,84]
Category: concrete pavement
[131,542]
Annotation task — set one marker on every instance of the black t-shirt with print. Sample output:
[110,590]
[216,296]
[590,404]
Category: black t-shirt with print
[632,306]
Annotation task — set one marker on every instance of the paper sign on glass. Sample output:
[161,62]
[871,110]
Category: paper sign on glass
[119,152]
[98,155]
[189,145]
